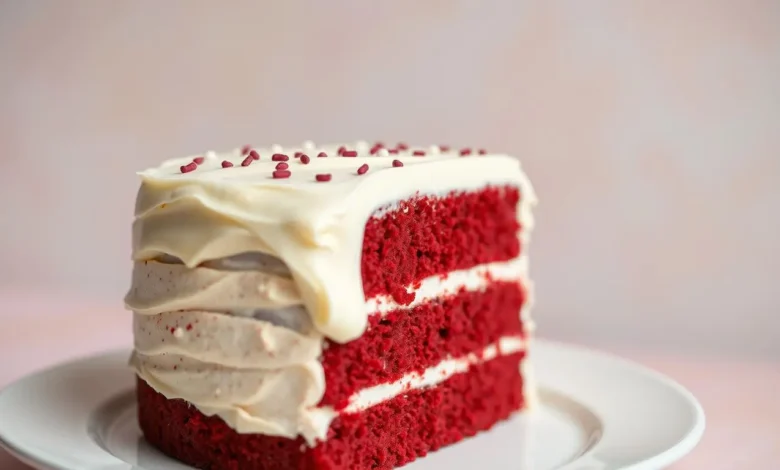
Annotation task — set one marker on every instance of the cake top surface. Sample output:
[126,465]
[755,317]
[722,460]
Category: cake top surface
[307,163]
[307,210]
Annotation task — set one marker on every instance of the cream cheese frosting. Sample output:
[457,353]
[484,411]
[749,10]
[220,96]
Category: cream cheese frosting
[315,227]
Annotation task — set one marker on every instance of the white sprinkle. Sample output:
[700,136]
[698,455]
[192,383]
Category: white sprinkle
[435,150]
[178,333]
[383,153]
[211,155]
[276,148]
[308,145]
[217,392]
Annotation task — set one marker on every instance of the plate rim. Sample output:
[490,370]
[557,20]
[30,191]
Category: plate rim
[538,346]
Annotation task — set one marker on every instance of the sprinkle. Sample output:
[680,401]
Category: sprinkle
[281,174]
[444,148]
[322,155]
[198,160]
[254,154]
[383,153]
[393,151]
[282,166]
[402,146]
[418,153]
[349,153]
[245,149]
[397,163]
[305,159]
[465,151]
[298,154]
[322,177]
[192,166]
[482,151]
[226,164]
[247,161]
[308,145]
[276,148]
[341,150]
[361,145]
[363,169]
[434,149]
[280,157]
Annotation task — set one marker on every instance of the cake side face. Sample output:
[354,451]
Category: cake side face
[225,319]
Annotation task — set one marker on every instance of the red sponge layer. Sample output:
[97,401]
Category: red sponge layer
[412,340]
[384,436]
[425,236]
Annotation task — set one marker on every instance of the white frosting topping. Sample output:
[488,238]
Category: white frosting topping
[315,227]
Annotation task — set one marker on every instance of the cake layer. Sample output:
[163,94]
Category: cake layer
[411,340]
[428,235]
[385,436]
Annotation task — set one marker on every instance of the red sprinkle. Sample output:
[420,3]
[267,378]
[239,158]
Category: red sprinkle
[398,163]
[189,326]
[482,151]
[341,150]
[282,166]
[280,157]
[465,151]
[322,177]
[322,155]
[245,149]
[254,154]
[393,151]
[444,148]
[192,166]
[363,169]
[298,154]
[226,164]
[349,153]
[402,146]
[418,153]
[305,159]
[247,161]
[198,160]
[281,174]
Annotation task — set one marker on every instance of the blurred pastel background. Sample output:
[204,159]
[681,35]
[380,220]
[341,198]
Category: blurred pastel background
[651,130]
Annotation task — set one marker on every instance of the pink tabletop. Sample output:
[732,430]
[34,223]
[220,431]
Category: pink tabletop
[743,415]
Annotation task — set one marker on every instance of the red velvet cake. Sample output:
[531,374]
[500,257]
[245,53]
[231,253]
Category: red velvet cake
[332,307]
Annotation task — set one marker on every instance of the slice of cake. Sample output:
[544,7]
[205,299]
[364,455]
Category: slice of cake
[329,307]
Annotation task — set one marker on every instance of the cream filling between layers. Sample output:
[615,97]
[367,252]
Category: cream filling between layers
[261,377]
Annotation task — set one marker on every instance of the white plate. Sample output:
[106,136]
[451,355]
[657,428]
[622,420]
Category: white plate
[597,412]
